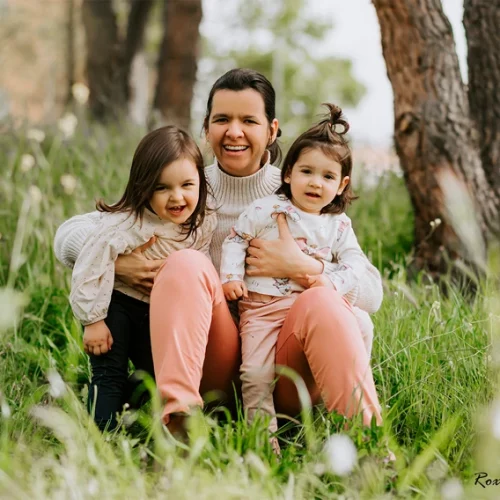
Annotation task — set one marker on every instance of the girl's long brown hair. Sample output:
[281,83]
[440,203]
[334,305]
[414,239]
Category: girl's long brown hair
[156,151]
[333,143]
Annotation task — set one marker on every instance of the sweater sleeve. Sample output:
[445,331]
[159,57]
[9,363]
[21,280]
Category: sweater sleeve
[94,272]
[235,246]
[351,260]
[72,235]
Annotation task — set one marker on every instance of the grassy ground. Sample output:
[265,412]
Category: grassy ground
[432,361]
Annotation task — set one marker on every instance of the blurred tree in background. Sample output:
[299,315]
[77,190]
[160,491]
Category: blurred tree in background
[110,56]
[289,44]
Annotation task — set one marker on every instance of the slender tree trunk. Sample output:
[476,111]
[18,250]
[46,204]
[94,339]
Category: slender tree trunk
[178,60]
[136,27]
[482,23]
[70,49]
[433,131]
[107,97]
[109,59]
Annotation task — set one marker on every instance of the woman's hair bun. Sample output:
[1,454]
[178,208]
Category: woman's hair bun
[335,117]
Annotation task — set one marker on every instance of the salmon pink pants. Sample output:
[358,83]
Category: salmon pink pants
[196,345]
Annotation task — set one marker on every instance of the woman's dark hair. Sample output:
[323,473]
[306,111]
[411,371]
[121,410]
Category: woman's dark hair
[333,144]
[156,151]
[241,79]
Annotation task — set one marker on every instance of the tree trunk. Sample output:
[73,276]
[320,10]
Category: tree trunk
[70,49]
[178,60]
[482,21]
[108,58]
[136,27]
[433,132]
[107,87]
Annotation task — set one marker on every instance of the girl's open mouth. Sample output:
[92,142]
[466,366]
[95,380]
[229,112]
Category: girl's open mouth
[313,195]
[177,210]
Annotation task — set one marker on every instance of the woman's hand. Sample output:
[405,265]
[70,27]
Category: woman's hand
[97,338]
[136,271]
[281,258]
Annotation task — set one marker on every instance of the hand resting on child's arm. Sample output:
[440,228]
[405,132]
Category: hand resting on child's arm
[137,271]
[97,338]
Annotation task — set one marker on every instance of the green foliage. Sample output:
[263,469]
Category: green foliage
[430,363]
[285,42]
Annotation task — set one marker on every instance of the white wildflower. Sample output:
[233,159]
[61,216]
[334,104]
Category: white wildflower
[35,194]
[452,489]
[35,134]
[27,162]
[57,385]
[437,470]
[80,92]
[67,125]
[68,182]
[435,223]
[93,487]
[5,408]
[11,305]
[341,454]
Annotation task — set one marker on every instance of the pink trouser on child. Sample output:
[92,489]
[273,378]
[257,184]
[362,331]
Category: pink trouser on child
[196,345]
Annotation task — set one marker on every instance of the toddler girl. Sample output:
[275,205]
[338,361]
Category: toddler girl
[166,197]
[313,196]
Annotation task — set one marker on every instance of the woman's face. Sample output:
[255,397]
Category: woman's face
[239,131]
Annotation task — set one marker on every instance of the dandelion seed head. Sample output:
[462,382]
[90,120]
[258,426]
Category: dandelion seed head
[5,408]
[56,383]
[11,305]
[452,489]
[35,134]
[27,162]
[341,454]
[80,93]
[93,487]
[35,194]
[68,182]
[67,125]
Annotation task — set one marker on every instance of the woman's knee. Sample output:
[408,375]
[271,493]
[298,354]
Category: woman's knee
[184,264]
[322,299]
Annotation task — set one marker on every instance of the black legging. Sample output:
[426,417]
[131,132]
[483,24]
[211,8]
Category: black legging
[109,389]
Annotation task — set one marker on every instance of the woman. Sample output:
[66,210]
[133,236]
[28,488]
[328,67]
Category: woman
[194,340]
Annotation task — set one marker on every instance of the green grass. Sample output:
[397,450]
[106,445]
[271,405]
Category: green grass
[431,363]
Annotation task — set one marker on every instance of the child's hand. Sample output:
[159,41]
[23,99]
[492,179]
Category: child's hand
[234,290]
[97,339]
[319,280]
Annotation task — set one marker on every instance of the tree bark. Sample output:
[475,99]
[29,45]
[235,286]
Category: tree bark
[107,97]
[177,61]
[482,22]
[433,131]
[109,59]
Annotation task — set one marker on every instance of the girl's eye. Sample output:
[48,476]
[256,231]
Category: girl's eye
[219,120]
[187,184]
[330,177]
[306,171]
[160,188]
[250,121]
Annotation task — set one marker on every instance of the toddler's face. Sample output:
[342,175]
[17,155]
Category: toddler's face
[315,181]
[177,192]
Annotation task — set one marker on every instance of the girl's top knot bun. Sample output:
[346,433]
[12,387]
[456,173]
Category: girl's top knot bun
[335,118]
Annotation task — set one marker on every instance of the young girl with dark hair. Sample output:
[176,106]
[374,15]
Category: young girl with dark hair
[313,196]
[165,198]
